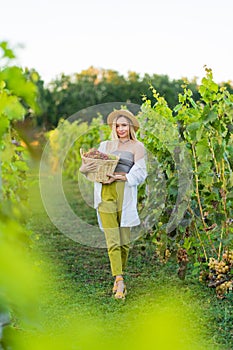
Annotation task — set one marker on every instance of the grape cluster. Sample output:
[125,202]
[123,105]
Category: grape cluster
[95,154]
[228,257]
[167,254]
[162,254]
[220,274]
[220,267]
[182,258]
[182,255]
[224,288]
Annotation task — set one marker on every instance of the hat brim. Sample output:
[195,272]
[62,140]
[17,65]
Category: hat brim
[124,113]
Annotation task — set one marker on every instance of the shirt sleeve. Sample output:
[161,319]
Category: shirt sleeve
[102,146]
[137,173]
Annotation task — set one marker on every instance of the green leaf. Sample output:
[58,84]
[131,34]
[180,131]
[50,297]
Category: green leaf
[203,151]
[4,125]
[22,166]
[202,90]
[230,180]
[177,107]
[193,128]
[7,52]
[214,86]
[220,218]
[211,116]
[204,167]
[219,151]
[2,85]
[20,86]
[11,107]
[193,103]
[207,180]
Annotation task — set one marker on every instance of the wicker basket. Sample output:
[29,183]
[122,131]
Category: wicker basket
[104,167]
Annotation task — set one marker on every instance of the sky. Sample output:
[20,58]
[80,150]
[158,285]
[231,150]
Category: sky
[167,37]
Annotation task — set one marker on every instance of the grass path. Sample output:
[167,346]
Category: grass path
[160,312]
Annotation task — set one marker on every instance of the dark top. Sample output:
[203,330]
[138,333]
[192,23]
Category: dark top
[125,162]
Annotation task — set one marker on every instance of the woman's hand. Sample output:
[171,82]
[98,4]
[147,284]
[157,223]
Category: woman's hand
[88,167]
[115,177]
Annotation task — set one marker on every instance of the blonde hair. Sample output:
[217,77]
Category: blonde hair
[132,134]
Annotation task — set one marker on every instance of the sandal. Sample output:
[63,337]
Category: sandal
[119,295]
[114,288]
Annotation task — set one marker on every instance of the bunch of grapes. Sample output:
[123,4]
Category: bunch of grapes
[167,254]
[224,288]
[182,258]
[220,274]
[204,276]
[182,255]
[228,257]
[95,154]
[220,267]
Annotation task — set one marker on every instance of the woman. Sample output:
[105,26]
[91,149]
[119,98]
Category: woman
[116,199]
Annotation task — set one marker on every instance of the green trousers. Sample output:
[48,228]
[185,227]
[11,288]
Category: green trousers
[117,238]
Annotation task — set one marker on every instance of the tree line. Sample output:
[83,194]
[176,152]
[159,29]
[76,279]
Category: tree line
[68,94]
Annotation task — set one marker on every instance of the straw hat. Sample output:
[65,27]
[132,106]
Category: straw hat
[125,113]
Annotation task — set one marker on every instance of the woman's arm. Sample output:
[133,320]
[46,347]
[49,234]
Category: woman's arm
[88,168]
[114,177]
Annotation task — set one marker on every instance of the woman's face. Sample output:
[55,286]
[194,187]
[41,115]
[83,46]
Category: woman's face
[122,127]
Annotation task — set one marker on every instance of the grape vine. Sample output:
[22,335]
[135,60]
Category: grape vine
[205,126]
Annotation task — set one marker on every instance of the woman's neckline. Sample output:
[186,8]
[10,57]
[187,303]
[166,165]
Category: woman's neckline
[123,142]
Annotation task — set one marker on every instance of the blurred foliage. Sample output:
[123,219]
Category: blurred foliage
[18,97]
[19,282]
[64,143]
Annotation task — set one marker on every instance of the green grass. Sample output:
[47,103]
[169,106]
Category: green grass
[160,311]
